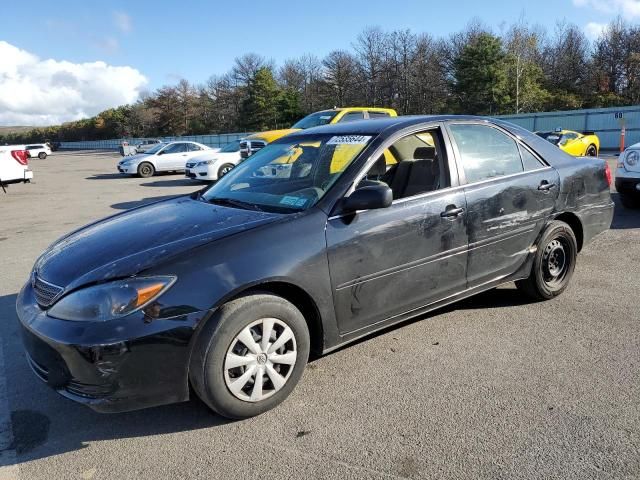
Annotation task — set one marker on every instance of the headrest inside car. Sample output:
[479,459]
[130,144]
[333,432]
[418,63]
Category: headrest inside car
[424,153]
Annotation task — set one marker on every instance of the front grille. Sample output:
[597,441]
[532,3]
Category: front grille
[46,293]
[249,147]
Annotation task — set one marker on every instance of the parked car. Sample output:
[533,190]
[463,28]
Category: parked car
[255,142]
[14,165]
[145,145]
[212,166]
[164,157]
[227,290]
[628,177]
[40,150]
[585,144]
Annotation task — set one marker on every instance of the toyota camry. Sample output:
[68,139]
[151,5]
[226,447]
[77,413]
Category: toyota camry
[319,239]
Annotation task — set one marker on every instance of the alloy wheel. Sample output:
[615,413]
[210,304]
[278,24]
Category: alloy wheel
[260,360]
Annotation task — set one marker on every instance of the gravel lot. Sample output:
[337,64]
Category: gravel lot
[494,387]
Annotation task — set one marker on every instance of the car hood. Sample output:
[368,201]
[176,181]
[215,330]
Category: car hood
[272,135]
[135,158]
[127,243]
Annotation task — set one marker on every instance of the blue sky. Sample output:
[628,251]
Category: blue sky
[165,41]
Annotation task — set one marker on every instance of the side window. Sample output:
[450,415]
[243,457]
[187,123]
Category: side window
[413,165]
[175,148]
[529,160]
[193,147]
[485,152]
[374,115]
[352,117]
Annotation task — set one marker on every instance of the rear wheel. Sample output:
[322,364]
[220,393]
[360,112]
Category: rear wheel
[592,151]
[42,155]
[250,355]
[146,170]
[224,169]
[554,263]
[629,200]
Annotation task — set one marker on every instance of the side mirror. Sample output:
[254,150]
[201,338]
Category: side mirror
[368,198]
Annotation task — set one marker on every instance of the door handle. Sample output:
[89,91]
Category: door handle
[546,186]
[452,211]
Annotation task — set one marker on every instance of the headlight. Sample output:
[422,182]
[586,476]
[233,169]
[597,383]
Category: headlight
[110,300]
[205,162]
[632,158]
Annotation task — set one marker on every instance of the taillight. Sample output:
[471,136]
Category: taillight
[21,156]
[607,172]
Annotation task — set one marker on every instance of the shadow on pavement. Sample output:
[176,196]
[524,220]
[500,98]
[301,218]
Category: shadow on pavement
[181,182]
[105,176]
[624,218]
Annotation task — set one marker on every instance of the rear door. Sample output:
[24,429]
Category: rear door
[510,193]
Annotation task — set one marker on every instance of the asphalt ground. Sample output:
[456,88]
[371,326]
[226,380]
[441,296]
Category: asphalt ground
[493,387]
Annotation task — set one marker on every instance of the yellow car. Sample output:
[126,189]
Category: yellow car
[255,142]
[585,144]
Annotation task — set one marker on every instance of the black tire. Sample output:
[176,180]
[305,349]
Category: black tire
[224,169]
[42,155]
[629,200]
[554,263]
[207,370]
[146,170]
[591,151]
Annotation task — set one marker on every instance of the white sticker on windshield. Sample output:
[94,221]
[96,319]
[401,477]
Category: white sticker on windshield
[349,140]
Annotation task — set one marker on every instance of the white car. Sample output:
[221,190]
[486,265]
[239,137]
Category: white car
[212,166]
[165,157]
[14,164]
[628,176]
[39,150]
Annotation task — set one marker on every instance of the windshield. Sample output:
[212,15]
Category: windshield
[552,137]
[289,175]
[155,149]
[316,119]
[231,147]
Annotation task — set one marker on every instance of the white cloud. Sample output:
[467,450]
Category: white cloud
[122,21]
[594,30]
[47,92]
[629,9]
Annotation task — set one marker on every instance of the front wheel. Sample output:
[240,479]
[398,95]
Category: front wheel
[146,170]
[554,263]
[42,155]
[592,151]
[250,355]
[224,169]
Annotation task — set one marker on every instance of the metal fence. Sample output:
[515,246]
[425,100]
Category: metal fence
[114,144]
[605,122]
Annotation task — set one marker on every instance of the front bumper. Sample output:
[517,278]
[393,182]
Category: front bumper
[627,182]
[122,365]
[198,173]
[126,169]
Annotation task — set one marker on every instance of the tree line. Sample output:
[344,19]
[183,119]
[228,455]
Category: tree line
[523,68]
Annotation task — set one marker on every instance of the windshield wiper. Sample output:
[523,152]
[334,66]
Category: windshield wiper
[235,203]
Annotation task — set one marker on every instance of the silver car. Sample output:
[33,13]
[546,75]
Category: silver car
[628,177]
[164,157]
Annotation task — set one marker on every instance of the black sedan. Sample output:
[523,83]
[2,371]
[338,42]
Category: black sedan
[320,238]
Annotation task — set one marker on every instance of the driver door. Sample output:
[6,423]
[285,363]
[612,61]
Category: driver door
[173,157]
[389,261]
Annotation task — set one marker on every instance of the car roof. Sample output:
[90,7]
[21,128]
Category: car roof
[379,125]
